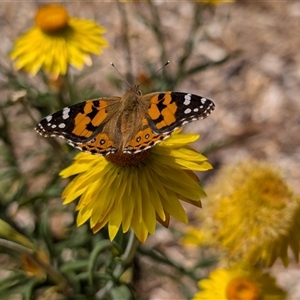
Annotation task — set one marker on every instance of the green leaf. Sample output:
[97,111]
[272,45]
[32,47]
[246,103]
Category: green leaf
[121,292]
[29,288]
[9,233]
[74,266]
[17,283]
[11,280]
[46,232]
[99,248]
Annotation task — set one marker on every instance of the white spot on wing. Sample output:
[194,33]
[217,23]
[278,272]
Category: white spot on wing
[187,111]
[66,111]
[187,99]
[62,125]
[49,118]
[203,100]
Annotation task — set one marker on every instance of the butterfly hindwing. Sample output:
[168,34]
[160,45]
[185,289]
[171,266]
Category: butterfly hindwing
[170,110]
[100,144]
[144,139]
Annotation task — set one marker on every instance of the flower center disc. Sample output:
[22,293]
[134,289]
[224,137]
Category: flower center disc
[51,18]
[243,289]
[126,160]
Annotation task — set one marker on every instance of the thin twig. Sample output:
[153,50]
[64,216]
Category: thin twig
[159,258]
[189,45]
[125,38]
[156,26]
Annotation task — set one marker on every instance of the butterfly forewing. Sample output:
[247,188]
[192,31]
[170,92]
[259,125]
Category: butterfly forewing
[80,122]
[170,110]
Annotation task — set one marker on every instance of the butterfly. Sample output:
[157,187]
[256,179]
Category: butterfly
[130,124]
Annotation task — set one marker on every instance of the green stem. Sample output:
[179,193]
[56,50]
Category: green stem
[126,260]
[162,259]
[131,249]
[70,90]
[5,135]
[15,246]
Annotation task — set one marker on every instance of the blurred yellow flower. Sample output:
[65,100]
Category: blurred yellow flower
[133,190]
[213,2]
[135,1]
[239,284]
[31,267]
[251,213]
[57,41]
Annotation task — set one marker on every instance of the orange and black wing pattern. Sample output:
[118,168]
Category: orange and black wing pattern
[144,139]
[82,124]
[170,110]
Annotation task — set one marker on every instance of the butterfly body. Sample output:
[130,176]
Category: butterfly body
[130,124]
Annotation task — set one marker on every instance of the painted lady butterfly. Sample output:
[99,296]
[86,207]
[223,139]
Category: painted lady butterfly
[131,124]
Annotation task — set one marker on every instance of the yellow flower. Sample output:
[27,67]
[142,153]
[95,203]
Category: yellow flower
[252,214]
[57,41]
[239,284]
[135,190]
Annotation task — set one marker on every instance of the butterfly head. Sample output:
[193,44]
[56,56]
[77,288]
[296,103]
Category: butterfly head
[131,97]
[136,90]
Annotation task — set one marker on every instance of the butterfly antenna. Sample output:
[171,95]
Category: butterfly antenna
[112,64]
[154,73]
